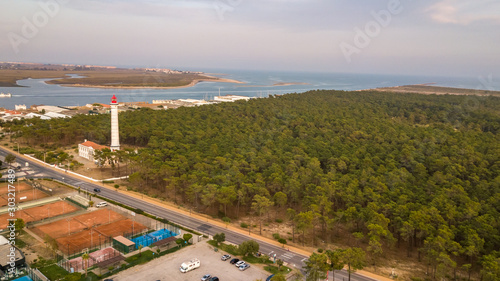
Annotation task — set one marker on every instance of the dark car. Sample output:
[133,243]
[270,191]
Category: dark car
[97,190]
[215,278]
[225,257]
[233,261]
[269,277]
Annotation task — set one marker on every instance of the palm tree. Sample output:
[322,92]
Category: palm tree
[140,248]
[85,258]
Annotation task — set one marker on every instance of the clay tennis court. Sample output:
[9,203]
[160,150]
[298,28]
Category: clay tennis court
[39,213]
[21,190]
[19,186]
[88,230]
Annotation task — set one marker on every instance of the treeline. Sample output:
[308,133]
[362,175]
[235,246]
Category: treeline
[392,169]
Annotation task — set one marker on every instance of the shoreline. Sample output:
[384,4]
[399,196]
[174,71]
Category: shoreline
[191,84]
[278,84]
[430,89]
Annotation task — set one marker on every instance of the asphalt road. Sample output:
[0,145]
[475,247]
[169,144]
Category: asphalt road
[294,259]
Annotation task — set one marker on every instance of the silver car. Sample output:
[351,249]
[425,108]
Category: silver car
[244,267]
[240,263]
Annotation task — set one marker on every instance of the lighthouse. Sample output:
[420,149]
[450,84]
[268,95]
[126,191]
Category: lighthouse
[115,135]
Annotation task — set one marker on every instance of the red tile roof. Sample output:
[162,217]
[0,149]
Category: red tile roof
[13,112]
[94,145]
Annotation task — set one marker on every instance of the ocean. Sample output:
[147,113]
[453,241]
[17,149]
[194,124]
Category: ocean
[258,84]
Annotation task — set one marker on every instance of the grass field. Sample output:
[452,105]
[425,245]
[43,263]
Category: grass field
[103,78]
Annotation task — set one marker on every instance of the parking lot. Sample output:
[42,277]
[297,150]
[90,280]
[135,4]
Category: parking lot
[167,267]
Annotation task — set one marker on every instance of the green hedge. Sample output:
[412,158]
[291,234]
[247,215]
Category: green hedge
[274,269]
[76,203]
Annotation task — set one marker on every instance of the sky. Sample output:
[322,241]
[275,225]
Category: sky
[440,37]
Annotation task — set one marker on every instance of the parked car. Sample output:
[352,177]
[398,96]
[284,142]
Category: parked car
[269,277]
[244,267]
[101,204]
[97,190]
[215,278]
[233,261]
[240,263]
[225,257]
[206,277]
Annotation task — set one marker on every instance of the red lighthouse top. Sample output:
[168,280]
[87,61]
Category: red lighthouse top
[113,100]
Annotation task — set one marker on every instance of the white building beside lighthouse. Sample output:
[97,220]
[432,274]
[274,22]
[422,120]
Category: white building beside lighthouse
[115,135]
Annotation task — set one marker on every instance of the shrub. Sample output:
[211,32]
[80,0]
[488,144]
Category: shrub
[244,225]
[276,236]
[282,241]
[320,250]
[278,220]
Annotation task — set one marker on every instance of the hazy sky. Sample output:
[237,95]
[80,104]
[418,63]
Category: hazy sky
[444,37]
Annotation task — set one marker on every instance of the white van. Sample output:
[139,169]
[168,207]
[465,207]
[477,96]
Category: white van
[101,204]
[189,265]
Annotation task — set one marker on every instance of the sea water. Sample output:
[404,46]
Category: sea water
[257,84]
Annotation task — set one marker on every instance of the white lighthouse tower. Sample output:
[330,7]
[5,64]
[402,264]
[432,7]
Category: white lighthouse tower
[115,135]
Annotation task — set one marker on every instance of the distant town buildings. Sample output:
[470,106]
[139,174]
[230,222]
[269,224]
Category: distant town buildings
[171,71]
[230,98]
[46,112]
[55,115]
[36,115]
[48,108]
[92,105]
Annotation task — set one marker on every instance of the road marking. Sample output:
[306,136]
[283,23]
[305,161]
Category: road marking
[271,253]
[302,260]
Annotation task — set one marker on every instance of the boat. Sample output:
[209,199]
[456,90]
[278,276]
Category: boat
[8,95]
